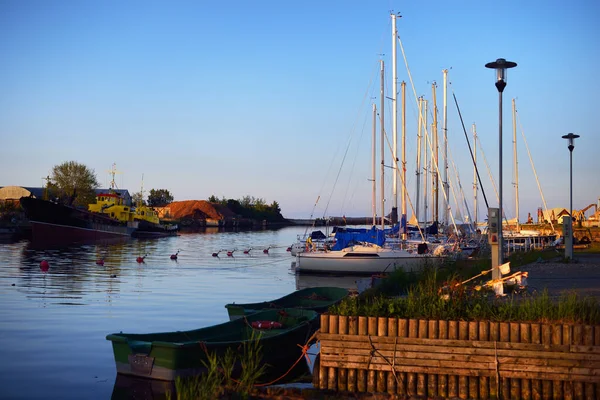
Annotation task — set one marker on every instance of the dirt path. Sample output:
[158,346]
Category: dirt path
[583,275]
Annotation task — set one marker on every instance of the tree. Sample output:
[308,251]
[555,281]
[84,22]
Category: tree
[75,183]
[138,198]
[159,198]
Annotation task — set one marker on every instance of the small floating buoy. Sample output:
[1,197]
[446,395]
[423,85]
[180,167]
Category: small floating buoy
[230,253]
[288,249]
[44,265]
[247,251]
[140,259]
[100,261]
[174,256]
[216,254]
[266,251]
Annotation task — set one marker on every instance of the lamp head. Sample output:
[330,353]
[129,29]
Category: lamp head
[571,138]
[501,65]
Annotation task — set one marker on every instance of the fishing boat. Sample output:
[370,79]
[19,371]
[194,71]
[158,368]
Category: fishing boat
[168,355]
[318,299]
[149,224]
[52,220]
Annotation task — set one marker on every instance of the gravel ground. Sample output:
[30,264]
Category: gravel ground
[583,275]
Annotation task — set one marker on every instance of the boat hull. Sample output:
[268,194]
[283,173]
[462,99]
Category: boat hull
[362,262]
[150,230]
[57,222]
[169,355]
[318,299]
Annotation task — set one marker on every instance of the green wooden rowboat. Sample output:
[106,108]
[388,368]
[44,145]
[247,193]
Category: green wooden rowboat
[168,355]
[318,299]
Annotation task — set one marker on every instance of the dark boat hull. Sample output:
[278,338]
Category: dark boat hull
[149,230]
[53,222]
[168,355]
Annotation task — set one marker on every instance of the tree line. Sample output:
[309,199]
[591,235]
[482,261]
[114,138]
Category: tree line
[75,184]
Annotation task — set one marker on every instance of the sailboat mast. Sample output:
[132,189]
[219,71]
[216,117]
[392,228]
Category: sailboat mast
[374,166]
[434,178]
[403,218]
[425,165]
[475,171]
[394,124]
[381,112]
[445,72]
[418,191]
[516,162]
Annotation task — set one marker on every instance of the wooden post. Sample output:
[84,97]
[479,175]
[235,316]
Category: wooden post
[352,330]
[333,371]
[382,376]
[536,384]
[473,380]
[443,379]
[371,373]
[557,386]
[588,340]
[343,372]
[452,379]
[495,384]
[402,389]
[504,382]
[413,332]
[515,384]
[361,374]
[577,339]
[525,330]
[547,392]
[463,381]
[323,371]
[432,379]
[484,381]
[422,378]
[392,331]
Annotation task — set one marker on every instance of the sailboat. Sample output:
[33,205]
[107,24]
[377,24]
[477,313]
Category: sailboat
[363,251]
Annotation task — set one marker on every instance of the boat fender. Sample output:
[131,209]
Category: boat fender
[266,325]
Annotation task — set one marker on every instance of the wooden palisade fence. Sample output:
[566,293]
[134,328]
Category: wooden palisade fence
[468,360]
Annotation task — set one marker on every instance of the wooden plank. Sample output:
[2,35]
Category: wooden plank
[402,388]
[504,380]
[392,330]
[536,384]
[463,371]
[324,327]
[484,381]
[361,374]
[525,337]
[352,330]
[572,359]
[411,378]
[465,343]
[463,381]
[332,380]
[588,340]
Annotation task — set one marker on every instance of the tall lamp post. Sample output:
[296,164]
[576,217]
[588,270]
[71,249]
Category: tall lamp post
[500,65]
[569,246]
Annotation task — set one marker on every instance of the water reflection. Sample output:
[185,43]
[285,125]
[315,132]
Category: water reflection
[134,388]
[53,323]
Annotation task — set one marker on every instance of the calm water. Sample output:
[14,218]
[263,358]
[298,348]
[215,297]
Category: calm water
[53,324]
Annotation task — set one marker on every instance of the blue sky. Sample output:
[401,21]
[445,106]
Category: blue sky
[265,98]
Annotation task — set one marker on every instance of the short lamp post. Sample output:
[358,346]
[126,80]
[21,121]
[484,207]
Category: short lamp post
[569,246]
[500,65]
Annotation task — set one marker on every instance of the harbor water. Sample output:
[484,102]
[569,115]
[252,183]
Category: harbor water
[53,322]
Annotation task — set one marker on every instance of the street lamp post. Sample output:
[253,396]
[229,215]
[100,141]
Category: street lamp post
[500,65]
[569,246]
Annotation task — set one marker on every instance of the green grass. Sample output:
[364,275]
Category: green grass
[218,381]
[436,293]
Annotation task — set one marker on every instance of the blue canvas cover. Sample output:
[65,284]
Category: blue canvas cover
[350,236]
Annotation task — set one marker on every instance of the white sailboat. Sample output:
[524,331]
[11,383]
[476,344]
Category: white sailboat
[366,257]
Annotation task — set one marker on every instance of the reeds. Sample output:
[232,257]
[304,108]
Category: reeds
[218,381]
[441,297]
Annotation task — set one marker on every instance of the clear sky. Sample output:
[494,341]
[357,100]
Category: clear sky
[266,98]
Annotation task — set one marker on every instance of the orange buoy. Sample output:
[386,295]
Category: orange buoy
[140,260]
